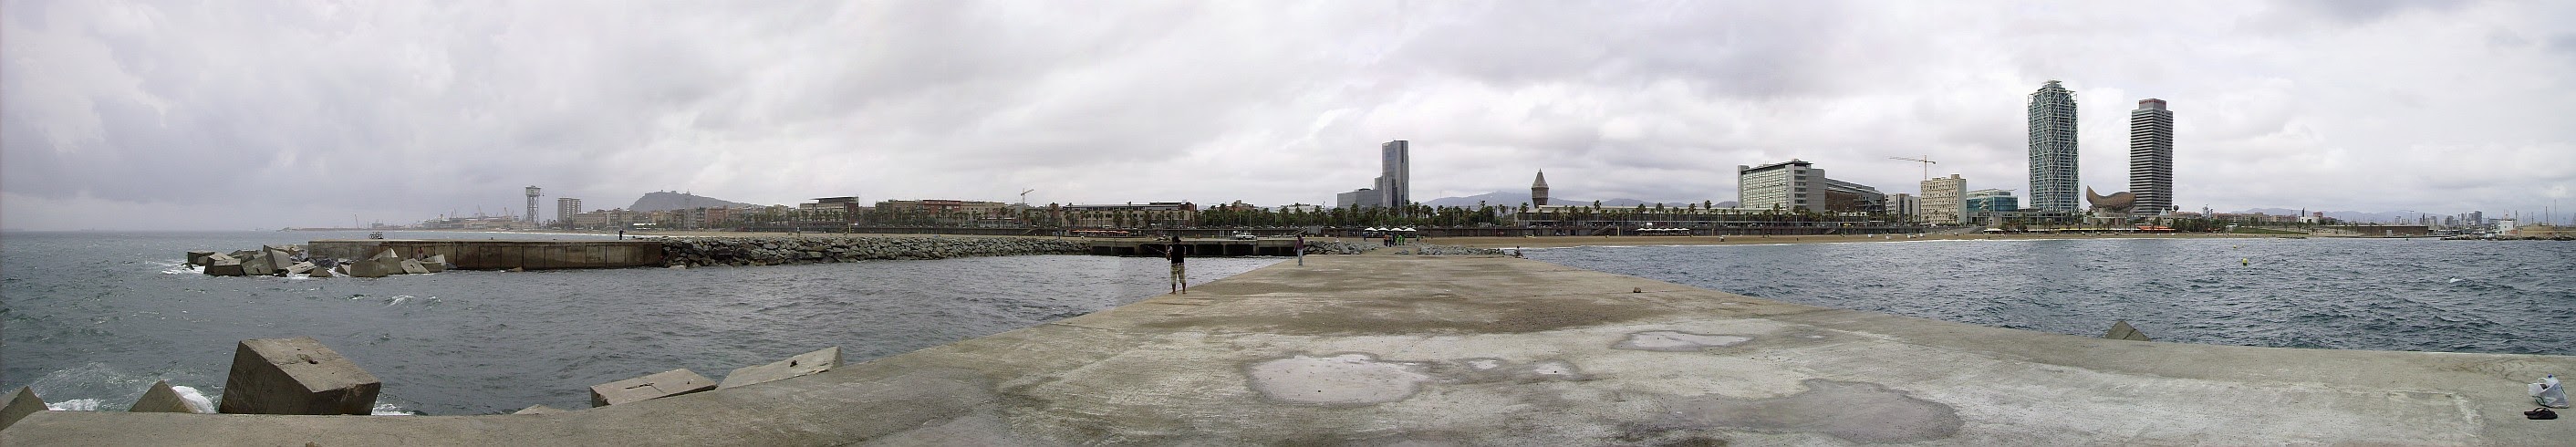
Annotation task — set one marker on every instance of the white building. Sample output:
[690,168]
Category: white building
[1945,200]
[1787,186]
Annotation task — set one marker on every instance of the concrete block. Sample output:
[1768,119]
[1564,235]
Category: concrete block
[221,265]
[664,384]
[296,376]
[435,263]
[278,258]
[387,254]
[375,268]
[198,258]
[538,409]
[412,267]
[801,364]
[161,398]
[257,265]
[20,405]
[2122,331]
[299,268]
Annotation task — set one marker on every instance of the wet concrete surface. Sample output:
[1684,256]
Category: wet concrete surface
[1426,351]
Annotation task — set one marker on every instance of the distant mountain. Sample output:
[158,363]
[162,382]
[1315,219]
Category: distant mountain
[1517,198]
[666,200]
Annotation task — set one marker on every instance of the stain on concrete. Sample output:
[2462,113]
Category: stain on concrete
[1493,370]
[1352,379]
[1851,411]
[1677,341]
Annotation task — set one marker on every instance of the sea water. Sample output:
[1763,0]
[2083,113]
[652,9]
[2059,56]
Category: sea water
[2385,294]
[90,319]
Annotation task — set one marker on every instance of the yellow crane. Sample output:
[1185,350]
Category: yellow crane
[1927,164]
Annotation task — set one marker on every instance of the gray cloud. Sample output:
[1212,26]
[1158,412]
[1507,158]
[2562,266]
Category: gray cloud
[142,114]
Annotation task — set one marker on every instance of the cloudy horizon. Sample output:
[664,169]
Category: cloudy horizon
[241,115]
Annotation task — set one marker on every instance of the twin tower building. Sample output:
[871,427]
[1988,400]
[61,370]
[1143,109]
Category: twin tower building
[2053,185]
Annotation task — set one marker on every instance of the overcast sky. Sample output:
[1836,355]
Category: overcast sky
[241,114]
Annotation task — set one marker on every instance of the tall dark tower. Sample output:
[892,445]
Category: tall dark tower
[1538,190]
[2151,157]
[2052,149]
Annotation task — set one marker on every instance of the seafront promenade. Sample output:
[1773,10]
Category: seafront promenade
[1418,350]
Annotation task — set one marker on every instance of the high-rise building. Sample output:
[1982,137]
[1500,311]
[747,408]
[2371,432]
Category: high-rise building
[2151,158]
[1788,186]
[1907,205]
[2053,182]
[1395,176]
[565,208]
[1538,190]
[1942,200]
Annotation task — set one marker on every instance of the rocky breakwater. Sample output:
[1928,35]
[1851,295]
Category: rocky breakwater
[809,250]
[291,261]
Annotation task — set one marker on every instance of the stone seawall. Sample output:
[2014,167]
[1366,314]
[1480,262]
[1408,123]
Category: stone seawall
[810,250]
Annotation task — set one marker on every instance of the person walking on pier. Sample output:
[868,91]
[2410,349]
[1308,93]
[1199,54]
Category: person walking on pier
[1177,252]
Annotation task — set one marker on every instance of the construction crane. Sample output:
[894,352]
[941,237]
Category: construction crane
[1927,164]
[1024,196]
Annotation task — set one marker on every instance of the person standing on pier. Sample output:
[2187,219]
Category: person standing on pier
[1175,251]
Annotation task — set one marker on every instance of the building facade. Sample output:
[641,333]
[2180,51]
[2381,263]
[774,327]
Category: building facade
[1360,198]
[1155,214]
[1787,186]
[1906,205]
[1942,200]
[2053,184]
[1848,197]
[2151,158]
[1987,201]
[565,208]
[1395,174]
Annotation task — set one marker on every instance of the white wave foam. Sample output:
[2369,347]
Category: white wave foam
[386,409]
[197,401]
[74,405]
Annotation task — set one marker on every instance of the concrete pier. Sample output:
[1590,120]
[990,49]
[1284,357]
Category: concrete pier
[1403,350]
[504,254]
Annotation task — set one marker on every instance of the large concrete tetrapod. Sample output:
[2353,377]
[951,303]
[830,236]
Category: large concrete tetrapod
[659,385]
[296,376]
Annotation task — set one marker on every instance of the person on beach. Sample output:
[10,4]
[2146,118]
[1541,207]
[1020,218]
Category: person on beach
[1301,249]
[1180,281]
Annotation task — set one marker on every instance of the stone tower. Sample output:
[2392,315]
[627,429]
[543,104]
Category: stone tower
[1538,190]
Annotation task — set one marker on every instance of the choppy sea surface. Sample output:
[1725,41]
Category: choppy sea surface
[89,319]
[2382,294]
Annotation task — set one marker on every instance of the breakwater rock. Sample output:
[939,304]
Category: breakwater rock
[809,250]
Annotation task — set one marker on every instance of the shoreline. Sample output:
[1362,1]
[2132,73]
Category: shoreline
[1501,242]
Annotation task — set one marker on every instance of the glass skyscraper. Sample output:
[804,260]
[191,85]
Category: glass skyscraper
[2052,149]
